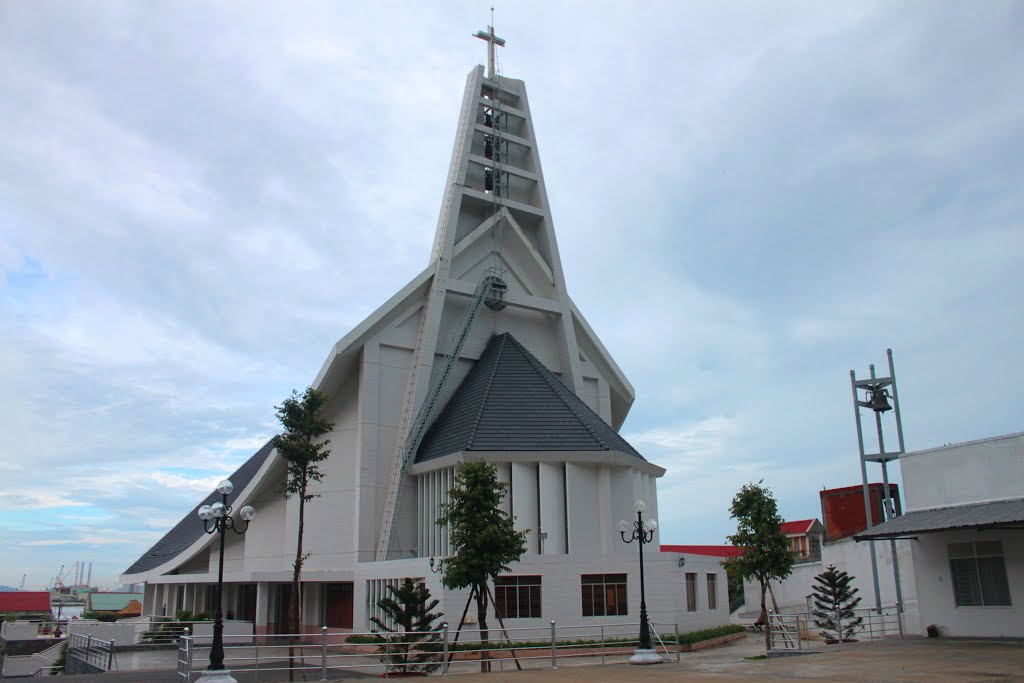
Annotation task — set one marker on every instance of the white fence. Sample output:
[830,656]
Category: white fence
[444,651]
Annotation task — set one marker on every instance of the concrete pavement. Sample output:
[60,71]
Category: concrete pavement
[914,660]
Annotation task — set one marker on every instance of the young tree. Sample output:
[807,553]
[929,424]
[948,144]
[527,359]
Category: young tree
[412,647]
[482,536]
[766,554]
[303,447]
[835,600]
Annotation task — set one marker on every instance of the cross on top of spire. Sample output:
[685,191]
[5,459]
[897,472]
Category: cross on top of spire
[492,40]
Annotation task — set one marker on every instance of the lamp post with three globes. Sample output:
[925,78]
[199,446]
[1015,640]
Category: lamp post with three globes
[642,533]
[216,520]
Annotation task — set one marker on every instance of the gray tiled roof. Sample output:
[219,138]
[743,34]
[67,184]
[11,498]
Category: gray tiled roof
[510,402]
[979,515]
[190,529]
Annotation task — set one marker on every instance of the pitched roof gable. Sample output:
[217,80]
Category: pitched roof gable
[190,528]
[798,526]
[510,402]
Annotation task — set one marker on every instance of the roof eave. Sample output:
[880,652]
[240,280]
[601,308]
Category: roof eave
[613,458]
[184,556]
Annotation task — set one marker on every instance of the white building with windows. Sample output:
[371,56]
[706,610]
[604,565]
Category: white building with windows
[964,521]
[482,355]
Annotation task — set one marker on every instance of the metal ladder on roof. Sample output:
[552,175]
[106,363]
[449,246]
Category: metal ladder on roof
[490,286]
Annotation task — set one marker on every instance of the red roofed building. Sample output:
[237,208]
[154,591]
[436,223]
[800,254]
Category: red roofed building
[805,536]
[723,551]
[25,603]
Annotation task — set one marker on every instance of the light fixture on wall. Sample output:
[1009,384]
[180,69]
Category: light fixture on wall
[682,561]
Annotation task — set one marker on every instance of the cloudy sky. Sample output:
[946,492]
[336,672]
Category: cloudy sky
[751,199]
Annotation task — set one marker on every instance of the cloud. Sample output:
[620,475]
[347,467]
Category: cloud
[197,201]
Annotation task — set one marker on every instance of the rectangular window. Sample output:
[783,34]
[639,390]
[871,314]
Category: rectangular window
[246,602]
[604,595]
[336,604]
[691,592]
[712,588]
[517,597]
[979,574]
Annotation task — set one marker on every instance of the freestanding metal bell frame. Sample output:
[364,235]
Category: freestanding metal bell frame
[877,392]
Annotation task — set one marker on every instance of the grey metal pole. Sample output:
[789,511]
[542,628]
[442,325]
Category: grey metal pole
[110,654]
[886,510]
[678,651]
[896,403]
[323,653]
[554,649]
[892,544]
[867,493]
[444,636]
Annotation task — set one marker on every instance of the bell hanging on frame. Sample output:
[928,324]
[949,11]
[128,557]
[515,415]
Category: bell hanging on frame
[878,400]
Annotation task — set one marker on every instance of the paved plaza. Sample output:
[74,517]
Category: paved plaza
[910,660]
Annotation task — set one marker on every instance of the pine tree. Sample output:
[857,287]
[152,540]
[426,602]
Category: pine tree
[835,601]
[412,641]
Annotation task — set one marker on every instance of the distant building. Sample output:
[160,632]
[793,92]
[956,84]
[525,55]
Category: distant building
[804,537]
[122,604]
[965,526]
[27,605]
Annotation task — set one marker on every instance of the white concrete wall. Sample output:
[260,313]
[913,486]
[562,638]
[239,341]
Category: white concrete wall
[19,630]
[976,471]
[561,590]
[855,559]
[122,633]
[937,601]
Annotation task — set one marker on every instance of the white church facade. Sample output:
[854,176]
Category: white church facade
[483,355]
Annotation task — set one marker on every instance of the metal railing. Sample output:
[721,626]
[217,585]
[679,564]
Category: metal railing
[791,631]
[442,652]
[92,651]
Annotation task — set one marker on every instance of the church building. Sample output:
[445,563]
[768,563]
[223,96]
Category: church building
[481,356]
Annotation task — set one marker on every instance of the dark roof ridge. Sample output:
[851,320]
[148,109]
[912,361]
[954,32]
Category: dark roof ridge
[549,377]
[487,392]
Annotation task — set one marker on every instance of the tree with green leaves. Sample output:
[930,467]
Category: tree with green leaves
[302,446]
[835,601]
[483,538]
[411,636]
[766,553]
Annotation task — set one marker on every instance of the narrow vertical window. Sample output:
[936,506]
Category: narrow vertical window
[691,592]
[712,592]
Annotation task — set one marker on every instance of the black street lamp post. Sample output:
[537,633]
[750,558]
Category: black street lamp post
[216,519]
[642,533]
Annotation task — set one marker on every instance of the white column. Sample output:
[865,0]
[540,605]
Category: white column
[260,625]
[505,477]
[606,520]
[447,478]
[552,507]
[524,502]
